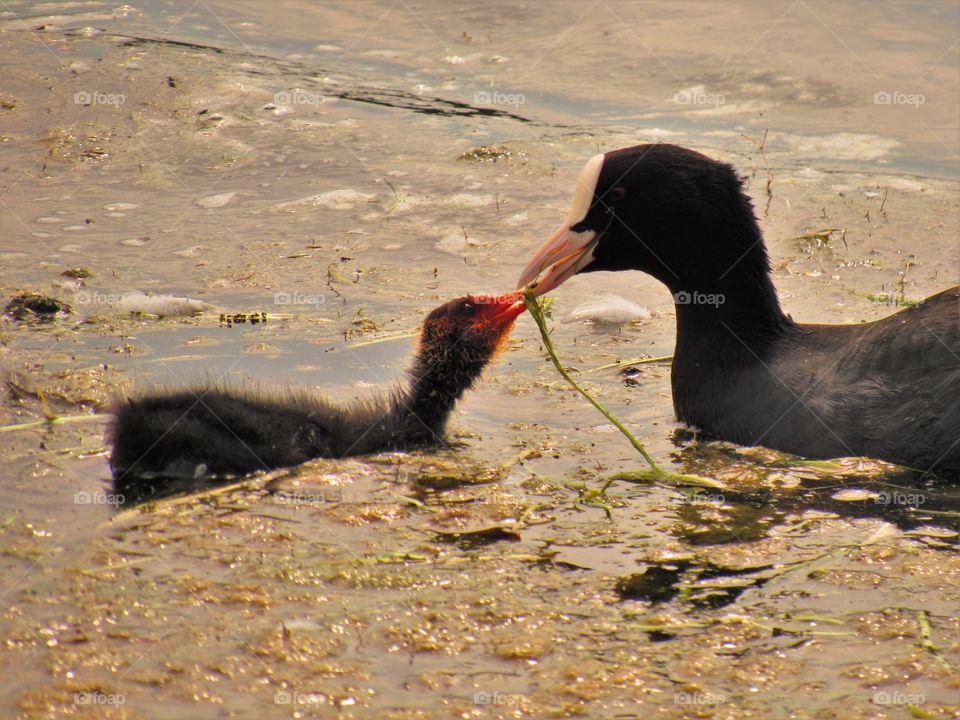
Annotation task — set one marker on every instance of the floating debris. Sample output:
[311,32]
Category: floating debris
[891,298]
[336,199]
[162,305]
[81,146]
[473,539]
[364,326]
[609,310]
[487,152]
[655,584]
[121,206]
[231,319]
[189,252]
[854,495]
[216,201]
[33,305]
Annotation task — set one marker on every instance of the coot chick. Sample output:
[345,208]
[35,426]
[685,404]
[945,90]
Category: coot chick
[217,432]
[744,371]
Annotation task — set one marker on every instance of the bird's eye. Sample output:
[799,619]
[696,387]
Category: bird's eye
[616,195]
[468,308]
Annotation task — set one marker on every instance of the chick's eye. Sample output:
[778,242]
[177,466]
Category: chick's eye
[617,194]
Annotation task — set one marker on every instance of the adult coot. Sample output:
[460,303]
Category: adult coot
[217,432]
[743,370]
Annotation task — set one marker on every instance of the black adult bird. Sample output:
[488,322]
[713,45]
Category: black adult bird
[744,371]
[216,432]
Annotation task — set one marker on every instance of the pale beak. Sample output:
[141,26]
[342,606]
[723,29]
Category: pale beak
[566,252]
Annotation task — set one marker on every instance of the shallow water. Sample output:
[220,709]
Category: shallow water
[316,163]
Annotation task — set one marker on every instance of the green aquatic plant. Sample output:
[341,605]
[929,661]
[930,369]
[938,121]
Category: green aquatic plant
[654,472]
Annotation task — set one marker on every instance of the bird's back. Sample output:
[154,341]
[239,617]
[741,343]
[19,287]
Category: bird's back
[217,432]
[889,388]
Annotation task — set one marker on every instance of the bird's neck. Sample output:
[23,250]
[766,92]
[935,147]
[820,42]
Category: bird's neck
[727,330]
[436,383]
[731,306]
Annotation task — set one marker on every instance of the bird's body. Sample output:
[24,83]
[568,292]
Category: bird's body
[831,390]
[232,432]
[218,432]
[743,370]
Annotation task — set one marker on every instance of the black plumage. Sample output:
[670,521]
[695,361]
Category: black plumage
[219,432]
[743,370]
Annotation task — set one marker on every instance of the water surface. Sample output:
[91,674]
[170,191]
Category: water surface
[346,167]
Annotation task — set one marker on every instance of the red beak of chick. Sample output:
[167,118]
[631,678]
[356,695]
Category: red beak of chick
[501,308]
